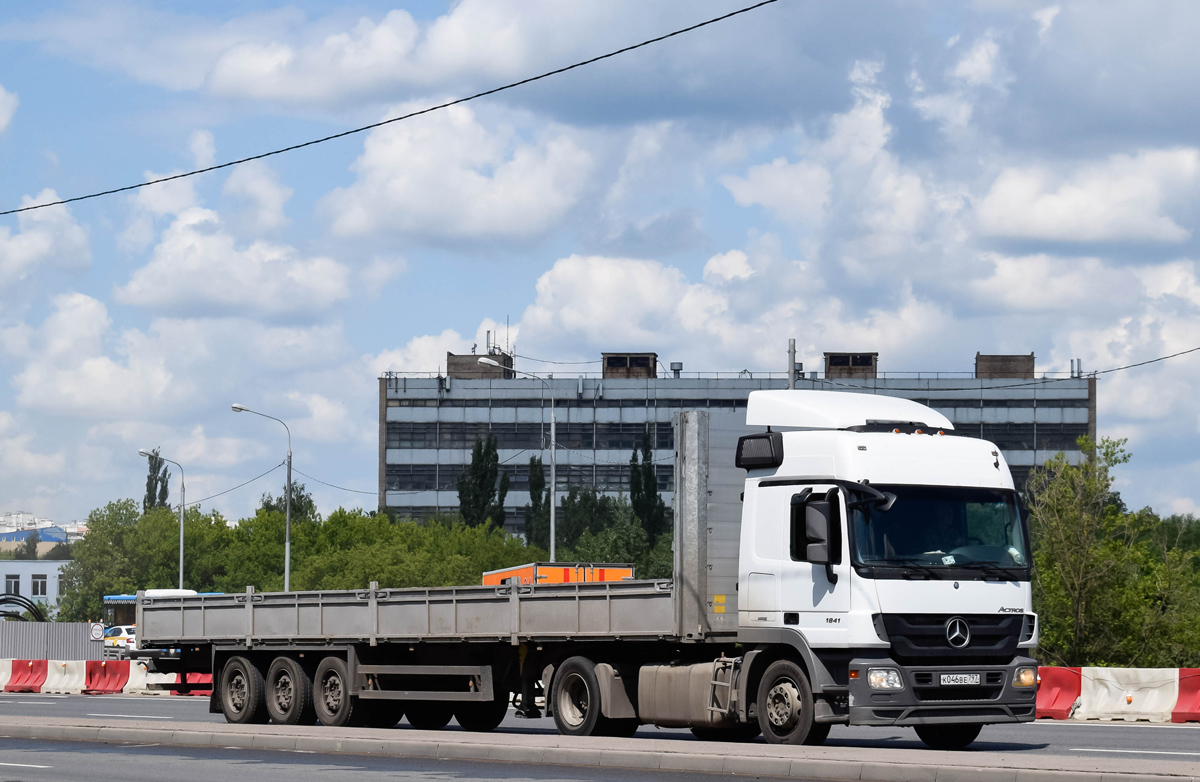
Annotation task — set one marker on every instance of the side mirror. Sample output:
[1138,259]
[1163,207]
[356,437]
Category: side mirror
[817,519]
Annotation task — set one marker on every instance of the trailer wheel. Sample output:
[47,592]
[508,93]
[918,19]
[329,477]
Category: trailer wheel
[482,716]
[785,704]
[332,701]
[289,693]
[576,695]
[429,715]
[948,736]
[380,713]
[242,690]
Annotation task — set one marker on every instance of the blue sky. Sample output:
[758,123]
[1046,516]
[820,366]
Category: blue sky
[923,179]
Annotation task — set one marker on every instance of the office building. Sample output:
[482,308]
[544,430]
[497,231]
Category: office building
[428,424]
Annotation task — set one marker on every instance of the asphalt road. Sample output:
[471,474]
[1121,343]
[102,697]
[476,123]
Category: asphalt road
[54,761]
[1046,737]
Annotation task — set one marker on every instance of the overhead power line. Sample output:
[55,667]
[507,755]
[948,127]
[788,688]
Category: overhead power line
[410,115]
[330,485]
[235,488]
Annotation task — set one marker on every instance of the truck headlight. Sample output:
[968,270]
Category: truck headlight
[1025,676]
[884,679]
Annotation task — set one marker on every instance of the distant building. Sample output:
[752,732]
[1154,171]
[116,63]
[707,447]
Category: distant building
[428,424]
[37,579]
[18,525]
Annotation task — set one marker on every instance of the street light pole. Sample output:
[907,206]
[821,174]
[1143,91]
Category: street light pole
[287,500]
[182,506]
[553,447]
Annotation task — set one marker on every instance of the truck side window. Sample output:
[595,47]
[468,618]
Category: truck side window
[798,540]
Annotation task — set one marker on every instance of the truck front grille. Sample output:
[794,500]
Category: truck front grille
[921,638]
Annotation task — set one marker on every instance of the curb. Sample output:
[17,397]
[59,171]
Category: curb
[628,759]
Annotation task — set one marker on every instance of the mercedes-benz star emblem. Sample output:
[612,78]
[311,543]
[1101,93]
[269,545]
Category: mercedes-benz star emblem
[958,634]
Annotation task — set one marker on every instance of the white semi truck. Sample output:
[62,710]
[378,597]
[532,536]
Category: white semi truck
[877,574]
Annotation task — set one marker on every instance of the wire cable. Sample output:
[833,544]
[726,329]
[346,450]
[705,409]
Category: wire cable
[235,488]
[330,485]
[547,361]
[410,115]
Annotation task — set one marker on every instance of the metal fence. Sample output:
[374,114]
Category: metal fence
[48,641]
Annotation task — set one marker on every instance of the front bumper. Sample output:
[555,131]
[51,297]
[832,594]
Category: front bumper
[924,701]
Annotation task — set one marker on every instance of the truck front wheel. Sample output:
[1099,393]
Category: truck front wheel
[948,736]
[242,692]
[785,704]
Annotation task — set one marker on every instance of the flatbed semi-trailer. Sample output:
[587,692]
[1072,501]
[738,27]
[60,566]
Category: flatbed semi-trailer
[878,574]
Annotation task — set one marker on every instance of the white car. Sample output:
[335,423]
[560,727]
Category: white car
[121,637]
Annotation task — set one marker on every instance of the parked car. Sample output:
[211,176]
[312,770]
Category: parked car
[121,637]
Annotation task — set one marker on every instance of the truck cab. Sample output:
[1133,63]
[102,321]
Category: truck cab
[893,556]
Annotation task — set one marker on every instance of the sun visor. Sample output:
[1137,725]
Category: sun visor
[836,410]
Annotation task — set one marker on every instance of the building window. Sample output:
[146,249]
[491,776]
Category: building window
[39,585]
[12,585]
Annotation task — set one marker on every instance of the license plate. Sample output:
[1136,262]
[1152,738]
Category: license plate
[952,679]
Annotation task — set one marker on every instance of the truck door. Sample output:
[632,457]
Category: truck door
[804,595]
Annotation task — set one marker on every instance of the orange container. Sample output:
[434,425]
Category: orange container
[559,573]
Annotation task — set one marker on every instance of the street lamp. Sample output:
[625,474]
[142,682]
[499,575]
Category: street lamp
[182,505]
[553,444]
[287,500]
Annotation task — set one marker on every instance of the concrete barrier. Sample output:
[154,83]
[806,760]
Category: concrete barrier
[65,677]
[5,672]
[27,676]
[1058,690]
[1129,694]
[106,676]
[1187,705]
[143,682]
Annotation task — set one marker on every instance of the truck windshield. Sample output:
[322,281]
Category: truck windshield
[942,527]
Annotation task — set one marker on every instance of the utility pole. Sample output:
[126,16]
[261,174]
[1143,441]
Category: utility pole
[791,364]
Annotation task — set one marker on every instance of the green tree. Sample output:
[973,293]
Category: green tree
[583,509]
[1111,587]
[303,506]
[157,492]
[479,499]
[624,540]
[537,512]
[60,551]
[648,505]
[29,547]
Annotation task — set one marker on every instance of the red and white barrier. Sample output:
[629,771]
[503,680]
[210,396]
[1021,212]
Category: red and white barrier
[1128,694]
[194,678]
[106,676]
[65,677]
[140,680]
[27,676]
[5,673]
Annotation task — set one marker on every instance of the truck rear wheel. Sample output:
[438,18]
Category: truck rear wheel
[576,698]
[381,713]
[948,736]
[331,694]
[242,688]
[429,715]
[289,694]
[785,704]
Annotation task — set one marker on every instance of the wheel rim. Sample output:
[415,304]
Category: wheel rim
[573,700]
[331,692]
[783,706]
[237,691]
[284,692]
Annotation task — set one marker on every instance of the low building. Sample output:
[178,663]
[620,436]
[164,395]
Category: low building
[38,579]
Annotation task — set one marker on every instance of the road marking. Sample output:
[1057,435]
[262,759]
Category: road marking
[23,765]
[133,716]
[137,746]
[1137,751]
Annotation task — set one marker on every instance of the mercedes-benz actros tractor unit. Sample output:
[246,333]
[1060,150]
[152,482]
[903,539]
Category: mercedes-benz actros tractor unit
[877,573]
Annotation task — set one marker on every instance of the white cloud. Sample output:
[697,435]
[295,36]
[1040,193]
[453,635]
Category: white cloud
[1122,198]
[1045,18]
[17,460]
[733,265]
[8,107]
[331,420]
[796,192]
[447,175]
[425,353]
[197,266]
[1048,283]
[44,236]
[259,185]
[203,148]
[380,271]
[979,65]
